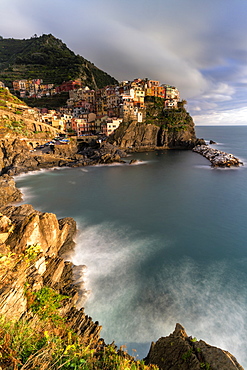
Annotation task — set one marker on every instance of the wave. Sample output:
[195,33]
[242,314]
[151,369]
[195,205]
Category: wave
[139,300]
[38,172]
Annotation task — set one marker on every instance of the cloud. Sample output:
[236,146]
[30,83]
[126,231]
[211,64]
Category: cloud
[200,47]
[229,117]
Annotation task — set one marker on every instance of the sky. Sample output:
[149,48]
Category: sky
[198,46]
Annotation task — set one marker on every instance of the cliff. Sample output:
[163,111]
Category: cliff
[169,129]
[31,248]
[178,351]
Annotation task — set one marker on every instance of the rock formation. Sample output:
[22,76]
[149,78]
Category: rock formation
[17,156]
[174,130]
[217,157]
[32,249]
[8,191]
[32,245]
[178,351]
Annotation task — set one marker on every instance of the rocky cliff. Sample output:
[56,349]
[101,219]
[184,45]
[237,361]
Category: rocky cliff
[32,245]
[173,129]
[178,351]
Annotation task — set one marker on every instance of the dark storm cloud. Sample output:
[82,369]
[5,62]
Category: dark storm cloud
[200,47]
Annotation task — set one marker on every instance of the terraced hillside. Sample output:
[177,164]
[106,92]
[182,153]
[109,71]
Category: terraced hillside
[17,119]
[47,58]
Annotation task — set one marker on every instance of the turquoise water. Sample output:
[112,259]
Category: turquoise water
[164,241]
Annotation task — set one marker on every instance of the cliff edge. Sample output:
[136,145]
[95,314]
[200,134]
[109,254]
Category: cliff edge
[178,351]
[167,129]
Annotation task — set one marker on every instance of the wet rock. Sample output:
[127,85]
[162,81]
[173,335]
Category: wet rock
[134,161]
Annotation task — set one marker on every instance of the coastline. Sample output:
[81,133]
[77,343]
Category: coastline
[178,332]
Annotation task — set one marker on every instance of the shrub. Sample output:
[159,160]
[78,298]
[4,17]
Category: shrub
[30,344]
[46,302]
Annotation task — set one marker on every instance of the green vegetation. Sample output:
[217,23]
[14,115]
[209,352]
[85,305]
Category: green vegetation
[32,251]
[205,366]
[31,345]
[43,338]
[172,119]
[12,119]
[38,341]
[187,355]
[17,127]
[194,340]
[45,304]
[47,58]
[7,99]
[49,102]
[154,110]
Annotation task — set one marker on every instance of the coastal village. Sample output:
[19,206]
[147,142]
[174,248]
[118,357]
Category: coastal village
[97,111]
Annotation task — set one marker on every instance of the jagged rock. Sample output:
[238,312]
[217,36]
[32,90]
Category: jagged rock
[5,223]
[10,149]
[8,191]
[178,351]
[68,244]
[24,227]
[38,229]
[66,150]
[136,135]
[83,324]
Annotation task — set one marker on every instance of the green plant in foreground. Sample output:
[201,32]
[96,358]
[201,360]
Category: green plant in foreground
[205,366]
[194,340]
[32,251]
[18,341]
[46,302]
[187,355]
[32,344]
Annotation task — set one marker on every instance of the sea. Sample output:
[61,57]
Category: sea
[163,241]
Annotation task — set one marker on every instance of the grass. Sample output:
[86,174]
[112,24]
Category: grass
[32,343]
[12,125]
[43,340]
[7,97]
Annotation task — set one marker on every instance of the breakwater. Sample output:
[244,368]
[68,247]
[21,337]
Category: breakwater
[217,157]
